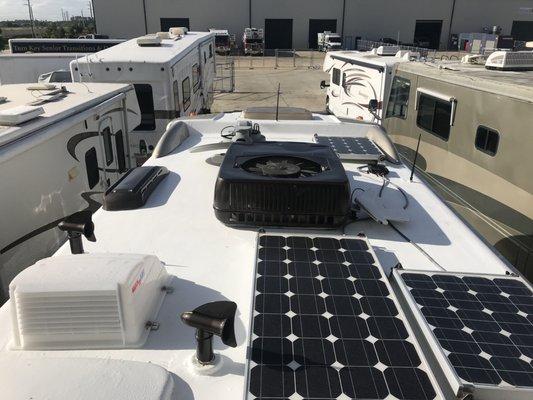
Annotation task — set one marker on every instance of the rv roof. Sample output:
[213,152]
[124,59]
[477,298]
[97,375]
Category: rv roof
[131,52]
[364,56]
[515,84]
[80,97]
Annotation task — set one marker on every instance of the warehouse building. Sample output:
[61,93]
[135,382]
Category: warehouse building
[294,23]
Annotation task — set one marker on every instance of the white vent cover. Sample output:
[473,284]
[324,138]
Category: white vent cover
[20,114]
[178,31]
[510,60]
[387,50]
[149,40]
[83,379]
[86,301]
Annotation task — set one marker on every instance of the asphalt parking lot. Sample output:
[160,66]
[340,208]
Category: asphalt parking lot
[257,79]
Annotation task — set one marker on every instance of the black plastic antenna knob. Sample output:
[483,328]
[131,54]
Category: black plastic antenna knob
[216,318]
[77,224]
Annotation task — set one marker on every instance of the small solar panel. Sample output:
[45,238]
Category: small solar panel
[348,147]
[483,324]
[326,325]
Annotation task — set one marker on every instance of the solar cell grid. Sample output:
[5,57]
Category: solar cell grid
[484,324]
[326,325]
[350,145]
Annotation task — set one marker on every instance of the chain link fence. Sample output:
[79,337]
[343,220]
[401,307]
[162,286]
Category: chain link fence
[275,58]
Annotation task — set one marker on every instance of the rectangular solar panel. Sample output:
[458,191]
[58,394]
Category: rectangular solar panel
[479,326]
[356,148]
[326,325]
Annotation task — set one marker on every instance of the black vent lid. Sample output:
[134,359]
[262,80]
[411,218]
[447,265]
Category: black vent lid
[239,155]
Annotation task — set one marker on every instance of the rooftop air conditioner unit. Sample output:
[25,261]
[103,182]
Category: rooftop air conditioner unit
[178,31]
[387,50]
[149,40]
[510,61]
[87,301]
[20,114]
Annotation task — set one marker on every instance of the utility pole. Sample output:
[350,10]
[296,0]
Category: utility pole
[30,13]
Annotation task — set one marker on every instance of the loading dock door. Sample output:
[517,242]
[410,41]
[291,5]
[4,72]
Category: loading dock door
[427,34]
[278,33]
[167,23]
[522,30]
[320,25]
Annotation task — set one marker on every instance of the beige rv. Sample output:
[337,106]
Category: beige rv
[476,145]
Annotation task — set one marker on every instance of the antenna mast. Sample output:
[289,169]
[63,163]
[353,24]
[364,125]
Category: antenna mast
[416,156]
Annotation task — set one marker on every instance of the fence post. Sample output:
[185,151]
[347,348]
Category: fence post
[294,58]
[276,58]
[251,66]
[312,62]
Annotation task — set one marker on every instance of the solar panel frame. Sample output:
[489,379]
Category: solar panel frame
[371,152]
[411,338]
[431,343]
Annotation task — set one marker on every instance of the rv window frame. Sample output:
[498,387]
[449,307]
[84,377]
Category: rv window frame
[92,171]
[389,102]
[436,101]
[151,125]
[336,73]
[186,101]
[121,151]
[489,132]
[176,94]
[210,50]
[196,74]
[108,145]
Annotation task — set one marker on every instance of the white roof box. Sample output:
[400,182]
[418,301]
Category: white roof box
[149,40]
[83,379]
[20,114]
[178,31]
[87,301]
[510,60]
[387,50]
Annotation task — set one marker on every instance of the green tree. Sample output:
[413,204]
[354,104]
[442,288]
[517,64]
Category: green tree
[2,41]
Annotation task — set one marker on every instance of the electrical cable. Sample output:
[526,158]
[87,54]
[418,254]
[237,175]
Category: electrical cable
[417,247]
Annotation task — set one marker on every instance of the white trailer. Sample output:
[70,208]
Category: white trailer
[329,41]
[360,83]
[59,150]
[253,41]
[172,72]
[27,68]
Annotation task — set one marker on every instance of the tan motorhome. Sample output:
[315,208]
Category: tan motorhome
[476,145]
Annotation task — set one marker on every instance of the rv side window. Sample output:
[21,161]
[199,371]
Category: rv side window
[487,140]
[108,147]
[205,58]
[195,77]
[336,76]
[176,91]
[146,104]
[210,50]
[121,156]
[186,92]
[434,115]
[399,98]
[91,165]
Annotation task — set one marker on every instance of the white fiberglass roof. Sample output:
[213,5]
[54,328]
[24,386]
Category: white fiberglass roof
[209,261]
[131,52]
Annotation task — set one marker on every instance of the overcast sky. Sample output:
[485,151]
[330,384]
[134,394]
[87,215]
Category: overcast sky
[42,9]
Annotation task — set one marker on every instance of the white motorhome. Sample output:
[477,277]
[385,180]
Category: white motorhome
[60,148]
[328,41]
[27,68]
[360,82]
[253,41]
[224,42]
[172,72]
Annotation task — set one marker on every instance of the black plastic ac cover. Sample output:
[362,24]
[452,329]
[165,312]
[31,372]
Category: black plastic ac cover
[134,188]
[305,200]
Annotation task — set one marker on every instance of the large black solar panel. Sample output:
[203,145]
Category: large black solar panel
[351,147]
[484,325]
[327,326]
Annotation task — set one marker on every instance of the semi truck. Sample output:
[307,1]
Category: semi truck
[329,41]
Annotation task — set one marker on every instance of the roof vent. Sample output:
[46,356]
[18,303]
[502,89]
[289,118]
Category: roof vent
[387,50]
[87,301]
[178,31]
[149,41]
[510,61]
[20,114]
[163,35]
